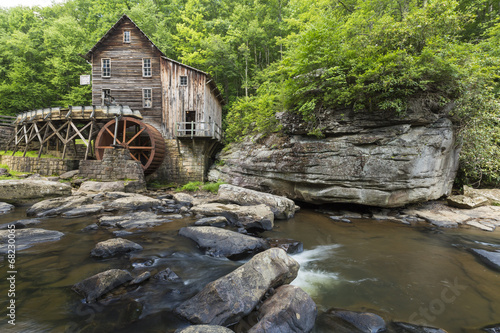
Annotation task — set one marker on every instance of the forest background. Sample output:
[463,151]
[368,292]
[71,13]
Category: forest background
[301,56]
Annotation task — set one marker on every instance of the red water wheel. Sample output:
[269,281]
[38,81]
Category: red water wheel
[145,143]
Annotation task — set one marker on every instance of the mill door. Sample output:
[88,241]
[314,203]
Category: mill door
[190,122]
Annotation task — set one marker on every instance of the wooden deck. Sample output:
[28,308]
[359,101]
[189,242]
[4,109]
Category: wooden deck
[199,130]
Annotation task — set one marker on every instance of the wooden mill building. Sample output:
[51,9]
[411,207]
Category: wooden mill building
[182,103]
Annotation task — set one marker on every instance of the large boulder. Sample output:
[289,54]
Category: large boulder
[219,242]
[95,286]
[226,300]
[25,238]
[133,202]
[390,163]
[57,206]
[113,247]
[282,208]
[258,216]
[14,191]
[290,309]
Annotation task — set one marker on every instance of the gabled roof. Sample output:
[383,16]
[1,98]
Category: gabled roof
[124,17]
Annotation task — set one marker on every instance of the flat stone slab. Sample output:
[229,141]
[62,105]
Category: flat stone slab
[84,210]
[204,329]
[18,190]
[57,206]
[113,247]
[219,242]
[5,208]
[490,258]
[259,216]
[464,202]
[133,202]
[21,224]
[282,208]
[95,286]
[136,220]
[215,221]
[26,238]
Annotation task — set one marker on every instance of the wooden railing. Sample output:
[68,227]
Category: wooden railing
[199,129]
[7,121]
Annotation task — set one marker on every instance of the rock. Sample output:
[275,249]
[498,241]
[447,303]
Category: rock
[492,328]
[5,207]
[464,202]
[290,309]
[167,275]
[4,172]
[260,216]
[97,187]
[291,246]
[69,174]
[390,163]
[215,221]
[184,199]
[443,218]
[85,210]
[113,247]
[204,329]
[19,190]
[400,327]
[493,195]
[228,299]
[141,278]
[57,206]
[136,220]
[481,226]
[95,286]
[21,224]
[343,321]
[282,208]
[26,238]
[133,202]
[53,178]
[219,242]
[490,258]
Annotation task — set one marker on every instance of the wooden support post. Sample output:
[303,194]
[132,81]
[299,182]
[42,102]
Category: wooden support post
[66,140]
[89,142]
[44,139]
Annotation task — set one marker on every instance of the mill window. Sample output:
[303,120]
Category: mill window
[106,97]
[147,98]
[106,67]
[184,80]
[146,67]
[126,36]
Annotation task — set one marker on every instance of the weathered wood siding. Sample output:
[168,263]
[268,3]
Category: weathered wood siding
[213,108]
[126,81]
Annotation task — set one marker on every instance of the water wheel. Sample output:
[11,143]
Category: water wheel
[145,143]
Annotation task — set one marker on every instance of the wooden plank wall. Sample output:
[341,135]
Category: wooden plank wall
[126,81]
[178,99]
[213,107]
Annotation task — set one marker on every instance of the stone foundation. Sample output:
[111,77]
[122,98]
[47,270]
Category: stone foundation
[43,166]
[115,165]
[186,160]
[6,133]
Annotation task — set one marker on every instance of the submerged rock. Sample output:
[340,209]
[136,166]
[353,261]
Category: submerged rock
[492,328]
[282,208]
[343,321]
[260,216]
[5,207]
[84,210]
[26,238]
[219,242]
[95,286]
[400,327]
[141,278]
[136,220]
[290,309]
[167,275]
[113,247]
[15,191]
[228,299]
[204,329]
[291,246]
[490,258]
[21,224]
[57,206]
[215,221]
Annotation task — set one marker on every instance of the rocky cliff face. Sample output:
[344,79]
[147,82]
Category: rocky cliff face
[366,158]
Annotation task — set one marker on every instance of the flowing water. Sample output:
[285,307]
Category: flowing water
[407,273]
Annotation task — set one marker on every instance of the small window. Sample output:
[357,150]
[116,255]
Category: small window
[126,36]
[106,97]
[106,68]
[147,98]
[184,80]
[146,67]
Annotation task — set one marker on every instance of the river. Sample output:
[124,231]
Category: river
[406,273]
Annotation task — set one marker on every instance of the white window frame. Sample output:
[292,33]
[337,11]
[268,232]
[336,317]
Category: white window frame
[103,95]
[126,36]
[147,71]
[183,77]
[103,72]
[145,98]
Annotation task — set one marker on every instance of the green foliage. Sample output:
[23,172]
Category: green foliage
[212,187]
[29,153]
[191,187]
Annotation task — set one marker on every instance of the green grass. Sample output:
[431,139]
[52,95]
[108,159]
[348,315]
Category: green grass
[28,154]
[212,187]
[199,186]
[13,173]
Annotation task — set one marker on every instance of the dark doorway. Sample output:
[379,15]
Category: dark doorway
[190,122]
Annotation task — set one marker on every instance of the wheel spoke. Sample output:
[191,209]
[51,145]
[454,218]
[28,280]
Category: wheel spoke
[124,128]
[112,135]
[135,136]
[137,147]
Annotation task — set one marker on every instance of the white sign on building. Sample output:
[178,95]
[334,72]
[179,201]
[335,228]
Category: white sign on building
[84,80]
